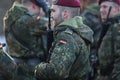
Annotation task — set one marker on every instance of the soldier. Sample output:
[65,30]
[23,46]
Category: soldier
[69,59]
[23,31]
[7,65]
[91,17]
[109,52]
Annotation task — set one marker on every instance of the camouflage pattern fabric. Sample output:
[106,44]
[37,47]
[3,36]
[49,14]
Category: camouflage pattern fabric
[7,66]
[24,39]
[109,53]
[23,32]
[91,17]
[69,58]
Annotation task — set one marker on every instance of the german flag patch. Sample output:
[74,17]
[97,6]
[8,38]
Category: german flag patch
[63,41]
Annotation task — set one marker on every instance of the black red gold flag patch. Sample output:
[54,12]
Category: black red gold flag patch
[63,41]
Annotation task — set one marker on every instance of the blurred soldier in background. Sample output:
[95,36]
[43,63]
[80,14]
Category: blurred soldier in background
[91,17]
[69,59]
[7,65]
[109,52]
[23,32]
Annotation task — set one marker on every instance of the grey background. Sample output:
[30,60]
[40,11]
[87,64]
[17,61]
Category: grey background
[4,6]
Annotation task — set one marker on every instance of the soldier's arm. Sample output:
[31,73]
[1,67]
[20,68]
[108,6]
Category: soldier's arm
[61,60]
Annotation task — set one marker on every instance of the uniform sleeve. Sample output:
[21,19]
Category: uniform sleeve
[61,60]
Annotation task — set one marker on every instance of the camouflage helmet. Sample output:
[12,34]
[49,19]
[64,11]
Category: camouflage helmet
[116,1]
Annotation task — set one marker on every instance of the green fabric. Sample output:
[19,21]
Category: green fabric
[24,39]
[91,17]
[23,34]
[76,23]
[109,53]
[69,54]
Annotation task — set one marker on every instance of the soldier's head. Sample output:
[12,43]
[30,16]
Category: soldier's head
[32,6]
[65,9]
[105,6]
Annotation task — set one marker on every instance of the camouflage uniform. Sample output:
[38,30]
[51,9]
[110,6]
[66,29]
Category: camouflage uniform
[24,39]
[7,66]
[91,17]
[69,54]
[109,53]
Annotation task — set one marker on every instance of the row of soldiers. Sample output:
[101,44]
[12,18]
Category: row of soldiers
[67,51]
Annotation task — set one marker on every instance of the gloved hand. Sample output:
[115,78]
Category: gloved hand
[44,5]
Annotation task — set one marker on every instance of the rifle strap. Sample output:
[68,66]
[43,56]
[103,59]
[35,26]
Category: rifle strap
[103,32]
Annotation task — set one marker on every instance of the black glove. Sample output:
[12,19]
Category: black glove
[44,5]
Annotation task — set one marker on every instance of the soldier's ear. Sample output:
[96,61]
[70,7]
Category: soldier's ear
[66,14]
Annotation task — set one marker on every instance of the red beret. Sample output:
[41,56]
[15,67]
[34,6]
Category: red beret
[34,1]
[116,1]
[69,3]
